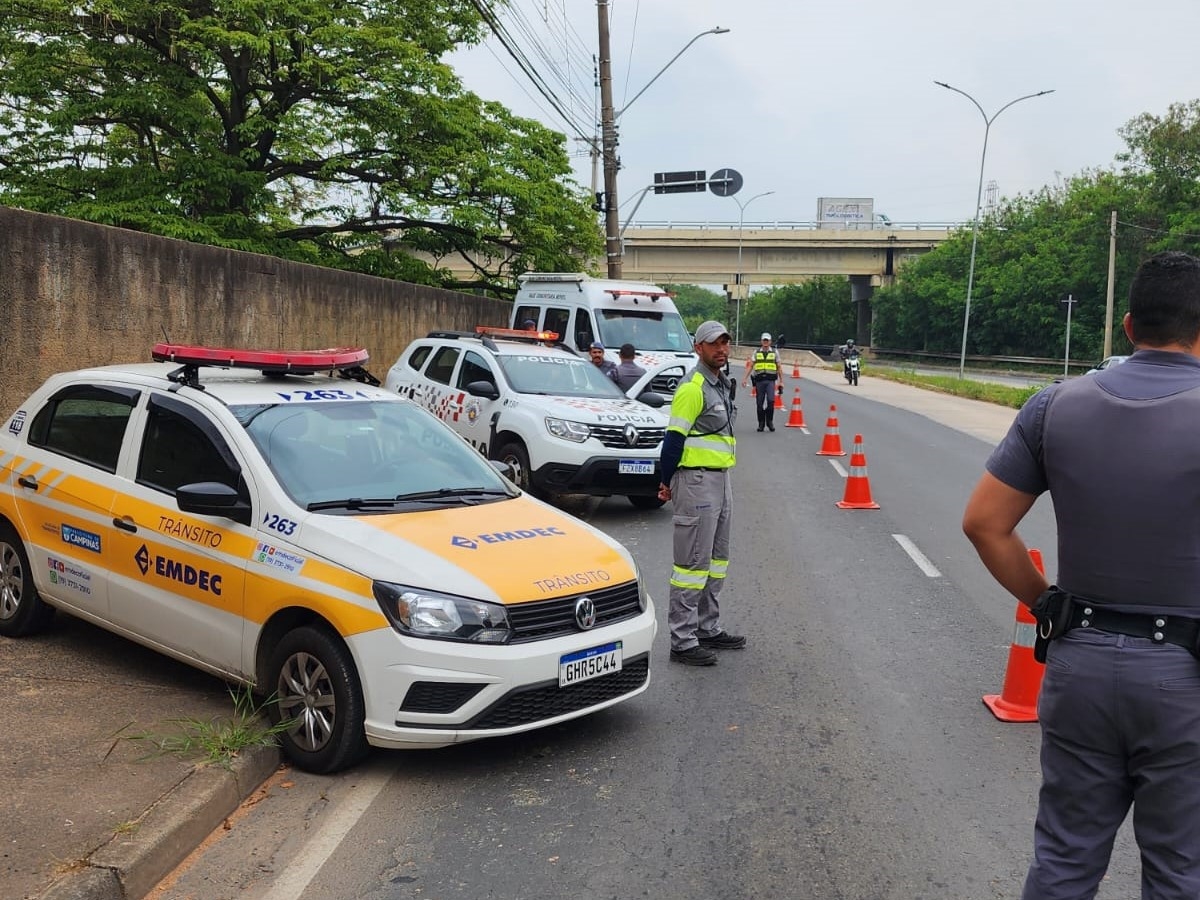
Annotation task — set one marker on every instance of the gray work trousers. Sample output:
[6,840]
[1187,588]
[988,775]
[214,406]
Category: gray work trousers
[764,400]
[1120,720]
[703,511]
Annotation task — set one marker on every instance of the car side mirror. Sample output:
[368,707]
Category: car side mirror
[484,389]
[211,498]
[652,399]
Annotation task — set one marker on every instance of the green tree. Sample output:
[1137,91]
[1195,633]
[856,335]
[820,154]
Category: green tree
[817,311]
[326,131]
[698,304]
[1037,249]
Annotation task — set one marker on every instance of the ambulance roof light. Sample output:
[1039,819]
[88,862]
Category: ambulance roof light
[653,295]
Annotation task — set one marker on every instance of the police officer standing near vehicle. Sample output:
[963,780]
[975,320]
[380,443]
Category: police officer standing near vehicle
[698,455]
[764,369]
[1119,453]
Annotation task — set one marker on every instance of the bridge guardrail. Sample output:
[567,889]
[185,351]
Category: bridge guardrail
[798,226]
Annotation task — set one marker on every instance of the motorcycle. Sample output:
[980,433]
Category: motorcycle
[850,370]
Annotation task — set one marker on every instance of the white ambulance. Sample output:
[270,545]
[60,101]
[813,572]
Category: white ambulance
[582,309]
[281,520]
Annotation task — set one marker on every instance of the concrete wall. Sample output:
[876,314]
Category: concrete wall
[75,294]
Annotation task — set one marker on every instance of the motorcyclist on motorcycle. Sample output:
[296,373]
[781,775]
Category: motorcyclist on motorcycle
[847,352]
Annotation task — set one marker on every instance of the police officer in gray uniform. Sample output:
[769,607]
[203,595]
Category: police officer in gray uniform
[1119,453]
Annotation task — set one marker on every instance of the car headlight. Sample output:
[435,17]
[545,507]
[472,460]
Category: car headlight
[568,431]
[421,613]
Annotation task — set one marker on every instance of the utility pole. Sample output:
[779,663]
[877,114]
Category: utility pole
[608,137]
[1112,270]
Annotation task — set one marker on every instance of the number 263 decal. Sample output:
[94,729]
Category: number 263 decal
[275,523]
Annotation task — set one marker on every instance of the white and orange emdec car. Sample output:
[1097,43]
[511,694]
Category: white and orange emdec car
[280,520]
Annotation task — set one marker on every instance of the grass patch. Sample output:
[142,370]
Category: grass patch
[217,741]
[1000,394]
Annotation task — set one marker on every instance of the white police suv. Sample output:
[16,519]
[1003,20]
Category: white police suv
[280,520]
[560,424]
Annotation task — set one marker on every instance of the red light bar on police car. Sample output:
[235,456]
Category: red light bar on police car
[297,361]
[517,333]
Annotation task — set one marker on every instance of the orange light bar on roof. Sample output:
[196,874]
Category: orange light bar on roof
[517,333]
[297,361]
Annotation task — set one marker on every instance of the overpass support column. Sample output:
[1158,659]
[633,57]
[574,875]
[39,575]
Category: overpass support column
[861,289]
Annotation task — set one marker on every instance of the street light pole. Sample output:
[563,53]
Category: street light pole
[1067,353]
[987,126]
[608,135]
[737,328]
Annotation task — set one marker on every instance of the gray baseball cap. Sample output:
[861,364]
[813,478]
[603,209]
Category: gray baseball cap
[711,331]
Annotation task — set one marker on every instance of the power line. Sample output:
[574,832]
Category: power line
[1163,231]
[531,72]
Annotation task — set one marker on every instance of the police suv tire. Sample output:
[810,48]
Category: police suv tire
[312,684]
[646,501]
[517,457]
[22,610]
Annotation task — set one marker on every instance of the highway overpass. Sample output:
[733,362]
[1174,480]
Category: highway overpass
[771,252]
[767,253]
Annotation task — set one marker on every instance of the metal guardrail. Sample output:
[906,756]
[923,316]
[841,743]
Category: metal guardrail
[782,225]
[932,355]
[935,356]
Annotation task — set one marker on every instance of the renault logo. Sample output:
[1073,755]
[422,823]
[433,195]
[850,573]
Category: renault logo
[631,435]
[585,613]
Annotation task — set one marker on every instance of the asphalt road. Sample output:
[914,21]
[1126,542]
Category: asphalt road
[844,754]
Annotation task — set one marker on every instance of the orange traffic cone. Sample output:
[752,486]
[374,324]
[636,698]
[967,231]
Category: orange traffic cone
[779,397]
[796,419]
[858,486]
[795,370]
[1017,700]
[832,444]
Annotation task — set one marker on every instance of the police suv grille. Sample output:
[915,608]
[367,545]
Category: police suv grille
[666,382]
[533,704]
[438,696]
[613,436]
[552,618]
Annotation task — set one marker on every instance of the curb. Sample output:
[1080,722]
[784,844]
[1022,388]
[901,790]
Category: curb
[128,866]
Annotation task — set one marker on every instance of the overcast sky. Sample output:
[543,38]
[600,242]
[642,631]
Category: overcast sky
[837,99]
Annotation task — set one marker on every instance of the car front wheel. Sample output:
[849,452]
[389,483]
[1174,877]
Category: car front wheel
[318,695]
[517,459]
[22,610]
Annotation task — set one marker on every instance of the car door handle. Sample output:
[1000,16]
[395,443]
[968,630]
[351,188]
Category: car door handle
[28,481]
[125,524]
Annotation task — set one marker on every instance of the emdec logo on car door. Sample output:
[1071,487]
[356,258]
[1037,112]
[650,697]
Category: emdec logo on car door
[173,569]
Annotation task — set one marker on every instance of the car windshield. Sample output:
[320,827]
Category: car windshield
[367,455]
[559,375]
[647,330]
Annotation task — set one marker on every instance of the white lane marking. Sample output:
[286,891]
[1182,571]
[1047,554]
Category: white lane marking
[840,468]
[917,556]
[308,862]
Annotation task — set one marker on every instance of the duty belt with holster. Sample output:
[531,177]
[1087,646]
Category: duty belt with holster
[1058,611]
